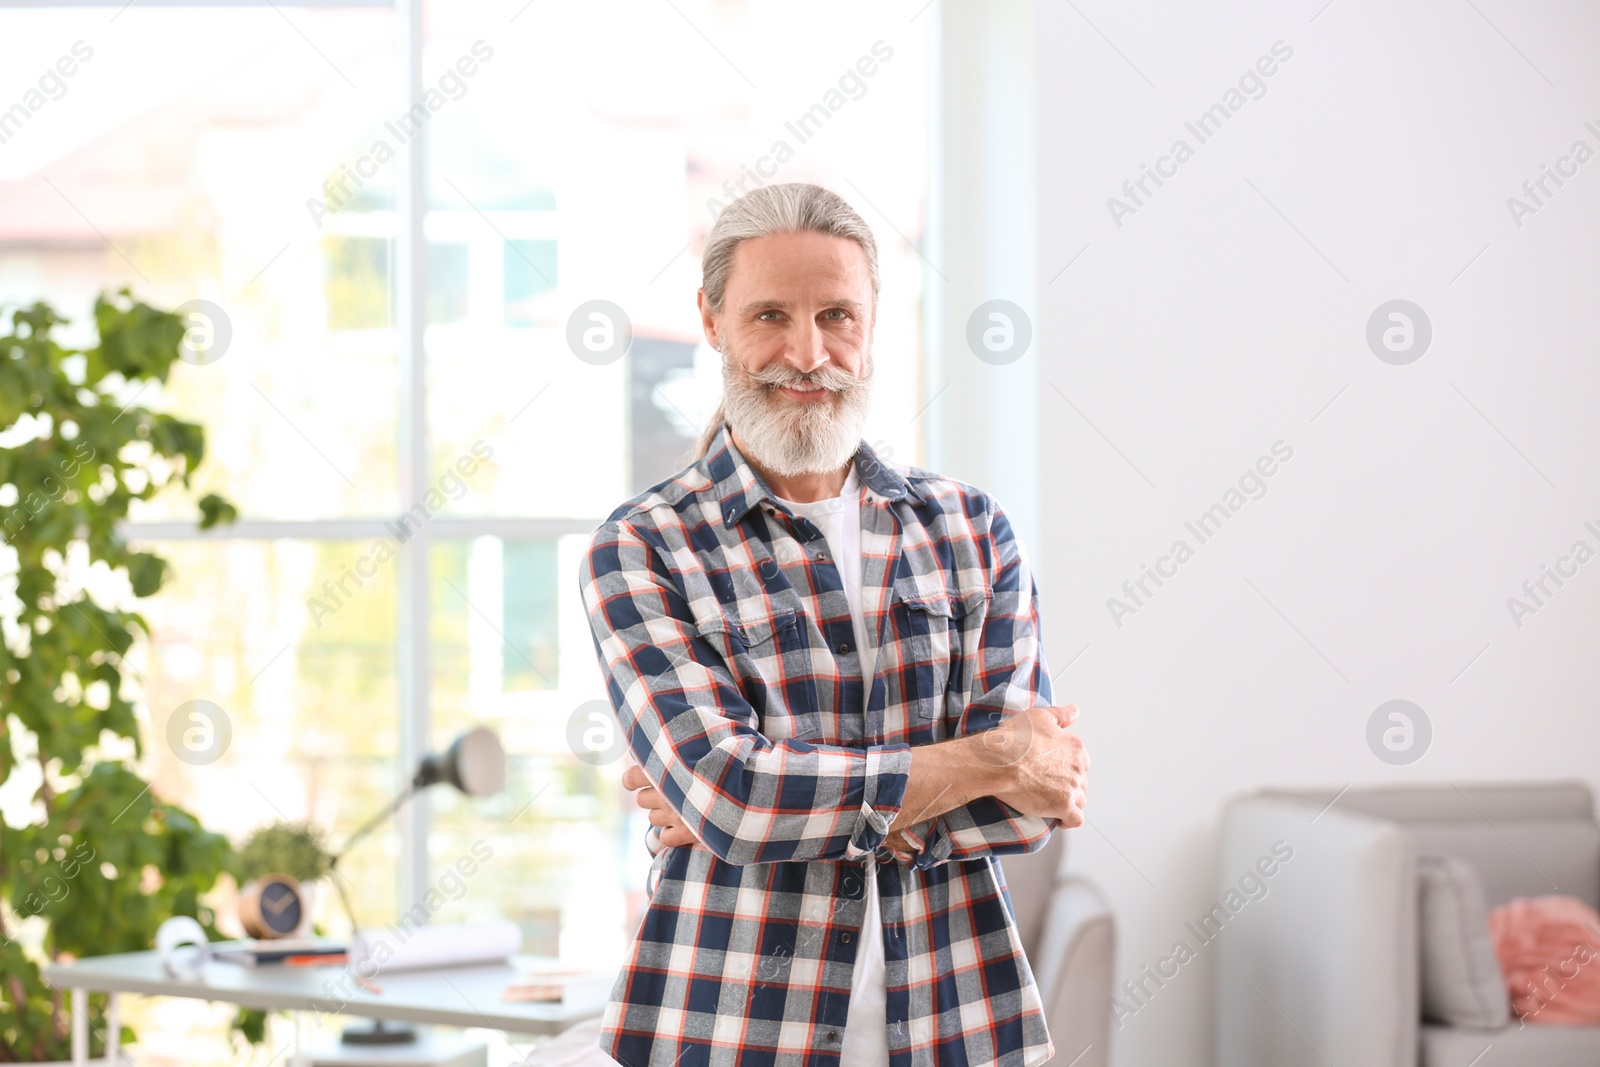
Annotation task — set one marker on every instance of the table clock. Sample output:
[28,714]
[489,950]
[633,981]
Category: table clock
[273,906]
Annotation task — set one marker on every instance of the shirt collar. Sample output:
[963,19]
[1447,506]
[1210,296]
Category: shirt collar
[739,488]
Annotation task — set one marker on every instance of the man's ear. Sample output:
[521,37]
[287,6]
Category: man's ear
[708,320]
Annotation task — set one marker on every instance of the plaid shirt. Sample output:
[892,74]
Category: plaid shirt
[724,634]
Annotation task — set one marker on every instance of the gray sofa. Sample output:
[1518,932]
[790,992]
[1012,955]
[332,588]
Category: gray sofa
[1323,969]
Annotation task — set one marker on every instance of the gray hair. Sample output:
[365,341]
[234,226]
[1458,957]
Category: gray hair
[794,207]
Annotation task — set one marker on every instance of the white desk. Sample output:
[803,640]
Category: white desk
[452,996]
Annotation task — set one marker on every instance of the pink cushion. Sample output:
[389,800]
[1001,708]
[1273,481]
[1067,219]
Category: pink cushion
[1549,951]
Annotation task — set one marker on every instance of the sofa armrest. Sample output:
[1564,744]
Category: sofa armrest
[1322,968]
[1075,966]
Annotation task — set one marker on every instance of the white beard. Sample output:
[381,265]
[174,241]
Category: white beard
[792,438]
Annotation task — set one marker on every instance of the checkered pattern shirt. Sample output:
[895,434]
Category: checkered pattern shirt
[725,638]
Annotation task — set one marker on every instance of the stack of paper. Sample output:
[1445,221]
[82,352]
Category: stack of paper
[559,986]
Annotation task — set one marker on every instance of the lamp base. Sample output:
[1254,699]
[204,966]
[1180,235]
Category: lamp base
[379,1032]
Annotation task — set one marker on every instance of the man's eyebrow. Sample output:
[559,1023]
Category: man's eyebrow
[756,307]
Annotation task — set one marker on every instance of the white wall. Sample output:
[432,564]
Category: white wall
[1225,315]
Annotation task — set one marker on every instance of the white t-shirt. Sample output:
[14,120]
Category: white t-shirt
[866,1031]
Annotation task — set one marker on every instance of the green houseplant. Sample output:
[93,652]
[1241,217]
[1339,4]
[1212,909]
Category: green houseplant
[296,849]
[99,861]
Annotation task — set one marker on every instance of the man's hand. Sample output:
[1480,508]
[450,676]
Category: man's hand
[1044,767]
[1030,762]
[673,832]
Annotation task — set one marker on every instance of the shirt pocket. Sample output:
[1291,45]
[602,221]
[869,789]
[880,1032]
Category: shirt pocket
[927,623]
[766,650]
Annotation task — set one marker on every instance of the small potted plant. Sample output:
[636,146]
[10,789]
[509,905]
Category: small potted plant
[276,870]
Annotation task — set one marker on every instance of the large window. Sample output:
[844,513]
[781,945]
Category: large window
[455,251]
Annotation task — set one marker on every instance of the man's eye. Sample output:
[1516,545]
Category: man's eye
[836,314]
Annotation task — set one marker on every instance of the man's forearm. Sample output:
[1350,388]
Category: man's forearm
[946,775]
[1030,762]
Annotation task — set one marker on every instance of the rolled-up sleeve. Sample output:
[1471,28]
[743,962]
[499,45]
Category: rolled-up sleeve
[745,797]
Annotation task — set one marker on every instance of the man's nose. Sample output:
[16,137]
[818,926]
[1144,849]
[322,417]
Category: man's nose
[806,349]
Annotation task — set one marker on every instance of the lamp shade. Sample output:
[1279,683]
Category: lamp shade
[475,763]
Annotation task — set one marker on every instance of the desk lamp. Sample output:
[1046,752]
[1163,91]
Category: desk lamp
[475,763]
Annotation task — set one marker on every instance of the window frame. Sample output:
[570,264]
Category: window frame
[410,290]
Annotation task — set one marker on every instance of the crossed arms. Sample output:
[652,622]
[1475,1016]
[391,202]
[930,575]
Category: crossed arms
[708,775]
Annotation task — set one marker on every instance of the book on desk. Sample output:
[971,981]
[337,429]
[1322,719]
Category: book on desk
[545,985]
[283,952]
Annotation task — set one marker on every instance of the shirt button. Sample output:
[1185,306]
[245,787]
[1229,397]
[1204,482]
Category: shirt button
[822,555]
[844,650]
[831,1035]
[846,937]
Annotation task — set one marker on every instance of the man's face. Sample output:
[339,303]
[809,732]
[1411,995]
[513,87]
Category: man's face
[795,332]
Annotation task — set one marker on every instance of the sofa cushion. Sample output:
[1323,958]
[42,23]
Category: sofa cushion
[1547,947]
[1461,980]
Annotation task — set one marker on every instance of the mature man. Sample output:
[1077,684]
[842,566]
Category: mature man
[828,669]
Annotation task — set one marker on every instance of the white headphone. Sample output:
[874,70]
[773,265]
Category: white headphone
[184,947]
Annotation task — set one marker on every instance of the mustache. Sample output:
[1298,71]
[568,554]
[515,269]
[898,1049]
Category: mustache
[781,374]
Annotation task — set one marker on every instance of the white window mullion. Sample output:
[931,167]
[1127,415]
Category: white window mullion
[412,661]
